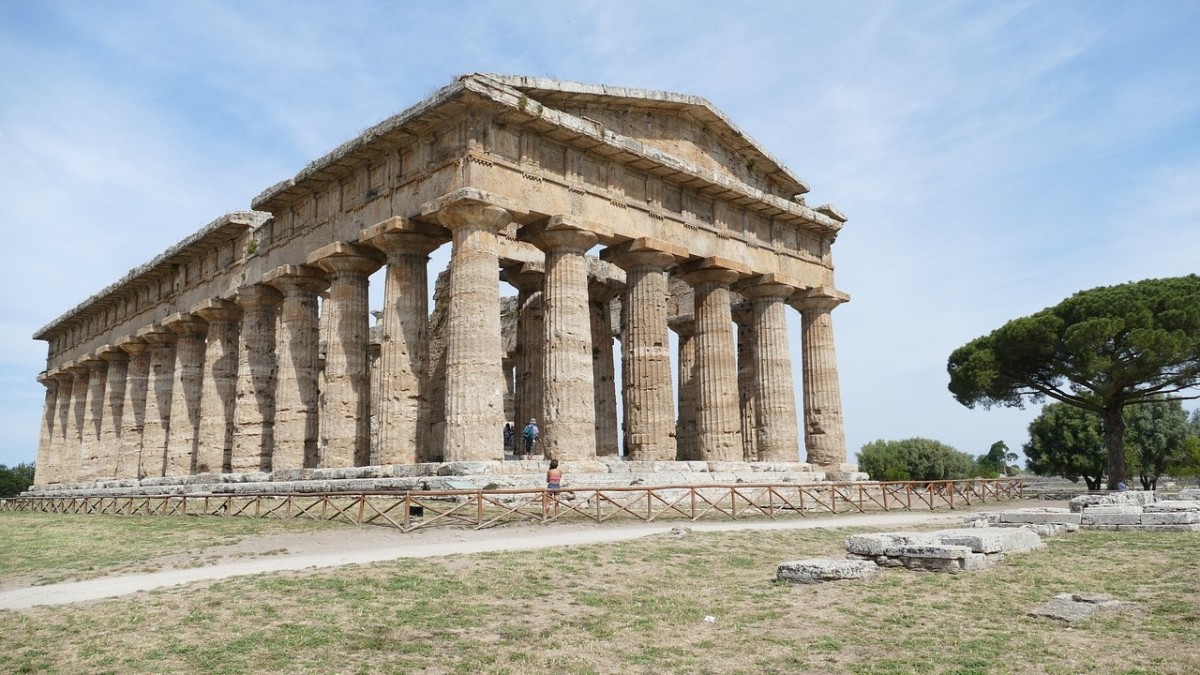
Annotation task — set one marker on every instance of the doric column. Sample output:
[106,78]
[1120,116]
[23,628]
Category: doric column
[59,471]
[42,472]
[645,348]
[185,393]
[775,392]
[297,403]
[743,318]
[824,431]
[608,443]
[218,385]
[403,405]
[685,425]
[718,429]
[93,412]
[528,279]
[569,427]
[254,407]
[474,408]
[114,410]
[133,415]
[157,420]
[347,369]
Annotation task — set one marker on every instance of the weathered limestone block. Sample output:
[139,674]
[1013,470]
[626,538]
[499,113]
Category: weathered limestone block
[1172,506]
[1171,518]
[569,430]
[1115,518]
[1039,515]
[1136,497]
[1073,608]
[992,540]
[819,570]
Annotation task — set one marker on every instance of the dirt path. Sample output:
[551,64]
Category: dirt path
[333,548]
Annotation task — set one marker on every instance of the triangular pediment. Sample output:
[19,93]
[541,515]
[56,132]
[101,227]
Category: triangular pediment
[685,127]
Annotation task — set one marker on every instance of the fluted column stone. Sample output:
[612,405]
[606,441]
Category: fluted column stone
[404,348]
[608,443]
[529,280]
[93,412]
[254,406]
[685,425]
[743,318]
[347,367]
[824,429]
[297,397]
[775,392]
[42,472]
[60,468]
[114,411]
[133,417]
[185,393]
[474,408]
[218,385]
[157,421]
[646,349]
[569,429]
[718,429]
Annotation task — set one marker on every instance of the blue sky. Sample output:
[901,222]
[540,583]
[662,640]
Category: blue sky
[993,158]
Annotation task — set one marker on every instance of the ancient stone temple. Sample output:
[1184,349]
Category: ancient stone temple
[618,215]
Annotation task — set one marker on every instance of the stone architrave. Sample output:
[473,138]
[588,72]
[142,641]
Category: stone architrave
[93,412]
[608,443]
[685,425]
[824,431]
[297,398]
[218,385]
[528,279]
[474,409]
[404,347]
[645,348]
[569,427]
[157,420]
[743,318]
[718,428]
[185,393]
[254,407]
[775,392]
[114,410]
[45,452]
[134,407]
[347,366]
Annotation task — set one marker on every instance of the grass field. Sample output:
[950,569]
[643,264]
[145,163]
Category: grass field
[615,608]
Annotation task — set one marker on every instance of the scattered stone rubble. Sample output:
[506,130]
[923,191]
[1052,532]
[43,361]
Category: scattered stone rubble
[951,551]
[1074,607]
[1133,510]
[819,570]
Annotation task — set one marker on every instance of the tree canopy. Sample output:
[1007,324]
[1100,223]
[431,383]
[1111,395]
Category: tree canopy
[1099,350]
[1069,442]
[1154,433]
[914,459]
[15,480]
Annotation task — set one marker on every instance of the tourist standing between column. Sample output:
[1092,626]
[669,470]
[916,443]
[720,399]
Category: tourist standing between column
[531,435]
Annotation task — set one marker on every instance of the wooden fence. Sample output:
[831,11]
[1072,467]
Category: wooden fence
[478,509]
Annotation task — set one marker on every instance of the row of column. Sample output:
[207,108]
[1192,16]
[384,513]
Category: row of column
[218,388]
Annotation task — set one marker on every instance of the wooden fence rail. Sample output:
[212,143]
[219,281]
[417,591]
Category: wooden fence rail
[478,509]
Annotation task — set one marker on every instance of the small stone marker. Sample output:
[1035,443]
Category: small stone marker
[1074,607]
[820,570]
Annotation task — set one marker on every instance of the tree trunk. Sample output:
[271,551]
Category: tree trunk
[1114,441]
[1092,483]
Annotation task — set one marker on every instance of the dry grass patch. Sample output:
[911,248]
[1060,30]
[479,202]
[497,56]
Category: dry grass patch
[43,548]
[639,607]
